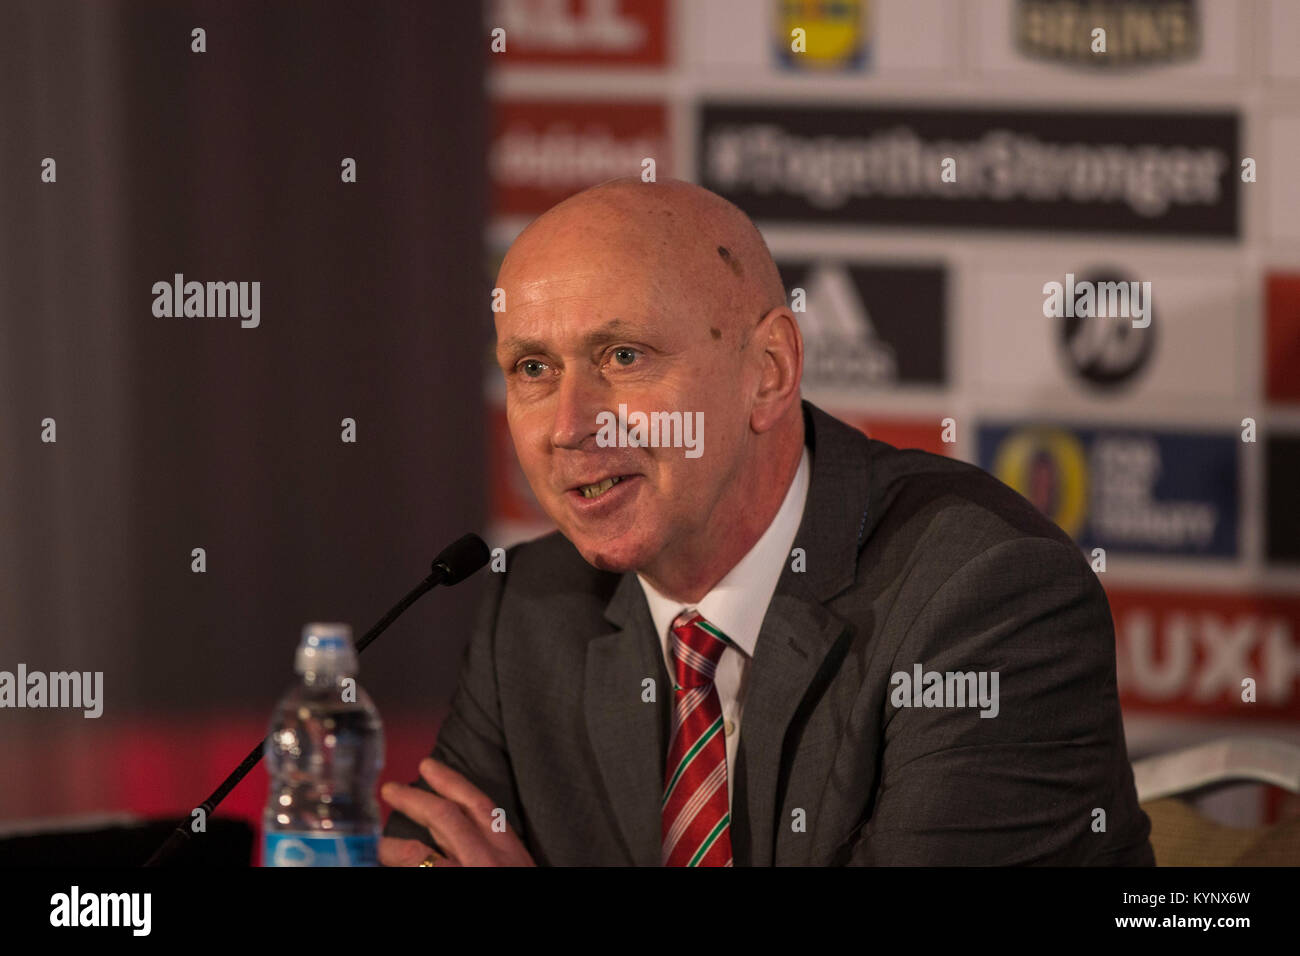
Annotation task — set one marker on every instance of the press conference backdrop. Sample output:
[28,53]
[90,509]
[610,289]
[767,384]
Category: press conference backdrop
[1169,451]
[1170,160]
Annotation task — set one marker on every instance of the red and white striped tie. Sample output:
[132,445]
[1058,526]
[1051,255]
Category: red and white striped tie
[696,811]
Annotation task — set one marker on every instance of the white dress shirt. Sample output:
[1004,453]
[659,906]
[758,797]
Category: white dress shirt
[737,605]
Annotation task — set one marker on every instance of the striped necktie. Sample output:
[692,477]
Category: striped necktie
[696,810]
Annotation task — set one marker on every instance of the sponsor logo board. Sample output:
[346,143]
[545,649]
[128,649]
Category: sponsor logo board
[835,38]
[544,151]
[592,33]
[869,325]
[1127,490]
[1188,653]
[1185,347]
[1061,171]
[1137,32]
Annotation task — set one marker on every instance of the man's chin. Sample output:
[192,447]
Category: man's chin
[618,557]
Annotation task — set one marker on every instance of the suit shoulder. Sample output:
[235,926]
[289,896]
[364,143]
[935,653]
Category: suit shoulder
[951,504]
[551,566]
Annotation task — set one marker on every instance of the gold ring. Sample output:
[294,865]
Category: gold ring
[432,859]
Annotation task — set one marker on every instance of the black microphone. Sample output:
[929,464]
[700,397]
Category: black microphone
[457,561]
[461,558]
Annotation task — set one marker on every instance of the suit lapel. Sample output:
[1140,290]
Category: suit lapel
[799,630]
[796,636]
[627,734]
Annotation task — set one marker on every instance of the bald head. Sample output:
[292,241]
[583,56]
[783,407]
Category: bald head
[658,300]
[690,246]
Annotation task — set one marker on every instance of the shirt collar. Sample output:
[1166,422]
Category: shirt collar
[738,603]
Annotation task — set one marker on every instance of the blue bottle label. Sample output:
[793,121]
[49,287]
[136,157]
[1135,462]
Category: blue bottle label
[313,848]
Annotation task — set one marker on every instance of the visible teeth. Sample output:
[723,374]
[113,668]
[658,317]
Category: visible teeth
[596,490]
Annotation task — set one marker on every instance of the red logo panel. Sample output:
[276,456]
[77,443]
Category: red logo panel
[1188,653]
[543,152]
[900,432]
[581,32]
[1282,294]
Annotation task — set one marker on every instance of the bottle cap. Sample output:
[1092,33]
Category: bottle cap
[326,647]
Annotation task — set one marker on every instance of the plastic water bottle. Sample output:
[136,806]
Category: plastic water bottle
[324,752]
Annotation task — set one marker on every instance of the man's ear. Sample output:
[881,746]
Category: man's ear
[779,344]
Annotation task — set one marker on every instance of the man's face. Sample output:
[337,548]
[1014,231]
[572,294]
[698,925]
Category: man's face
[581,335]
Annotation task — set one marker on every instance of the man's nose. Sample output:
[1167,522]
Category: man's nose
[579,399]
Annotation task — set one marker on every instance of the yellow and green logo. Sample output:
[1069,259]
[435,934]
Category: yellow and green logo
[822,35]
[1048,466]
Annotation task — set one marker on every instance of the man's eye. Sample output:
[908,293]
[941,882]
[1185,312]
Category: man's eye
[531,367]
[624,355]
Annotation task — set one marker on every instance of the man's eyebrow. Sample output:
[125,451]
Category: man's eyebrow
[518,346]
[611,331]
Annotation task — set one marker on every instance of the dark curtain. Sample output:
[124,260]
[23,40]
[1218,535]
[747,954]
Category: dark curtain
[182,433]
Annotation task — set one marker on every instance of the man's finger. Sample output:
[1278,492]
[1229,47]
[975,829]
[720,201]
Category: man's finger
[397,852]
[451,829]
[478,806]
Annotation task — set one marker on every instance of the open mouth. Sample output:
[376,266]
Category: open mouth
[599,488]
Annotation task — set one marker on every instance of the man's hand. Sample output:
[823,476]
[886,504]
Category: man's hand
[460,819]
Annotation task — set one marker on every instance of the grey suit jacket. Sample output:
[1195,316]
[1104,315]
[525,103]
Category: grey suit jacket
[911,558]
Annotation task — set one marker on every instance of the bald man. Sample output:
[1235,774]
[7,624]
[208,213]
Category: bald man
[921,664]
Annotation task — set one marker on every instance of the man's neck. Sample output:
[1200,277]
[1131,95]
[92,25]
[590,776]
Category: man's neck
[689,577]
